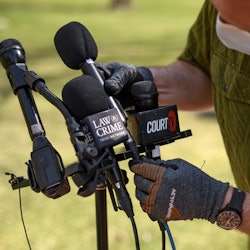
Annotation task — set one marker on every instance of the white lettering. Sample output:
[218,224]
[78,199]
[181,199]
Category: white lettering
[102,122]
[157,125]
[88,137]
[171,203]
[109,129]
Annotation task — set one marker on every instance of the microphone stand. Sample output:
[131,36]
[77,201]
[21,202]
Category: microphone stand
[101,217]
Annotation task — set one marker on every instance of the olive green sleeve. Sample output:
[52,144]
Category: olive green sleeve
[197,50]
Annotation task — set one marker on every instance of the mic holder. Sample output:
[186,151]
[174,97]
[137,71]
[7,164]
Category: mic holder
[117,180]
[153,128]
[83,149]
[85,173]
[89,69]
[17,182]
[48,179]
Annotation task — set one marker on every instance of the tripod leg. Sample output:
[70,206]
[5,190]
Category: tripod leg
[101,217]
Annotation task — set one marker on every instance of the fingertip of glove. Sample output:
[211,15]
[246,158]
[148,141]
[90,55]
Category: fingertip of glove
[141,160]
[132,165]
[111,87]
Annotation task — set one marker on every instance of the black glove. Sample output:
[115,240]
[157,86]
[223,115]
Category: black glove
[118,78]
[177,190]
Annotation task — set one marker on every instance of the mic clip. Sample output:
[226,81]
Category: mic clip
[17,182]
[87,173]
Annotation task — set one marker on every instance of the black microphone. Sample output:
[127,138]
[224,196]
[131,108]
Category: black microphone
[78,50]
[45,170]
[145,95]
[12,57]
[87,101]
[150,125]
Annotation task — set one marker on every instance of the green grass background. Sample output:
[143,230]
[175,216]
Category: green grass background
[149,32]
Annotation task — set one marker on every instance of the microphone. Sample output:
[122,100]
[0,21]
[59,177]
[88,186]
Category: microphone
[12,57]
[45,169]
[150,125]
[77,49]
[75,45]
[87,101]
[145,95]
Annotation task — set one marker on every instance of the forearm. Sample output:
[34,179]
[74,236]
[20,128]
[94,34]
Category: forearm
[184,85]
[245,225]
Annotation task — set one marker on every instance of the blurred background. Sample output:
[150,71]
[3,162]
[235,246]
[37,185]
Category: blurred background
[141,32]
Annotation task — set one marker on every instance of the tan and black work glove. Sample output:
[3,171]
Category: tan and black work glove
[176,190]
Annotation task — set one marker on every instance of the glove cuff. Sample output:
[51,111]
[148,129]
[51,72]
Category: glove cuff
[219,196]
[144,74]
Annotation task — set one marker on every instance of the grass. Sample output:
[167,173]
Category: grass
[150,32]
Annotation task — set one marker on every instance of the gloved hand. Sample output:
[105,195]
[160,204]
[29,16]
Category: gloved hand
[119,77]
[177,190]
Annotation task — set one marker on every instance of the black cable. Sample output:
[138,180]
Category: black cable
[137,244]
[21,212]
[163,236]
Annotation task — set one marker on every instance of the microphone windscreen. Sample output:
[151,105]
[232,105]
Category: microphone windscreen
[145,95]
[9,44]
[84,96]
[11,51]
[75,44]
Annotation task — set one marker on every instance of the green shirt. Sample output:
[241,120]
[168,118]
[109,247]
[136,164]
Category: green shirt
[229,72]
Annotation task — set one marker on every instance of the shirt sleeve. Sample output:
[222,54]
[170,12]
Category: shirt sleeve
[198,46]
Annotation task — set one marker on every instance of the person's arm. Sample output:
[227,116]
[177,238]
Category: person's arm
[245,225]
[179,83]
[183,84]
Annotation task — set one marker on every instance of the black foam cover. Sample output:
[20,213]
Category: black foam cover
[84,96]
[11,52]
[145,95]
[75,44]
[9,44]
